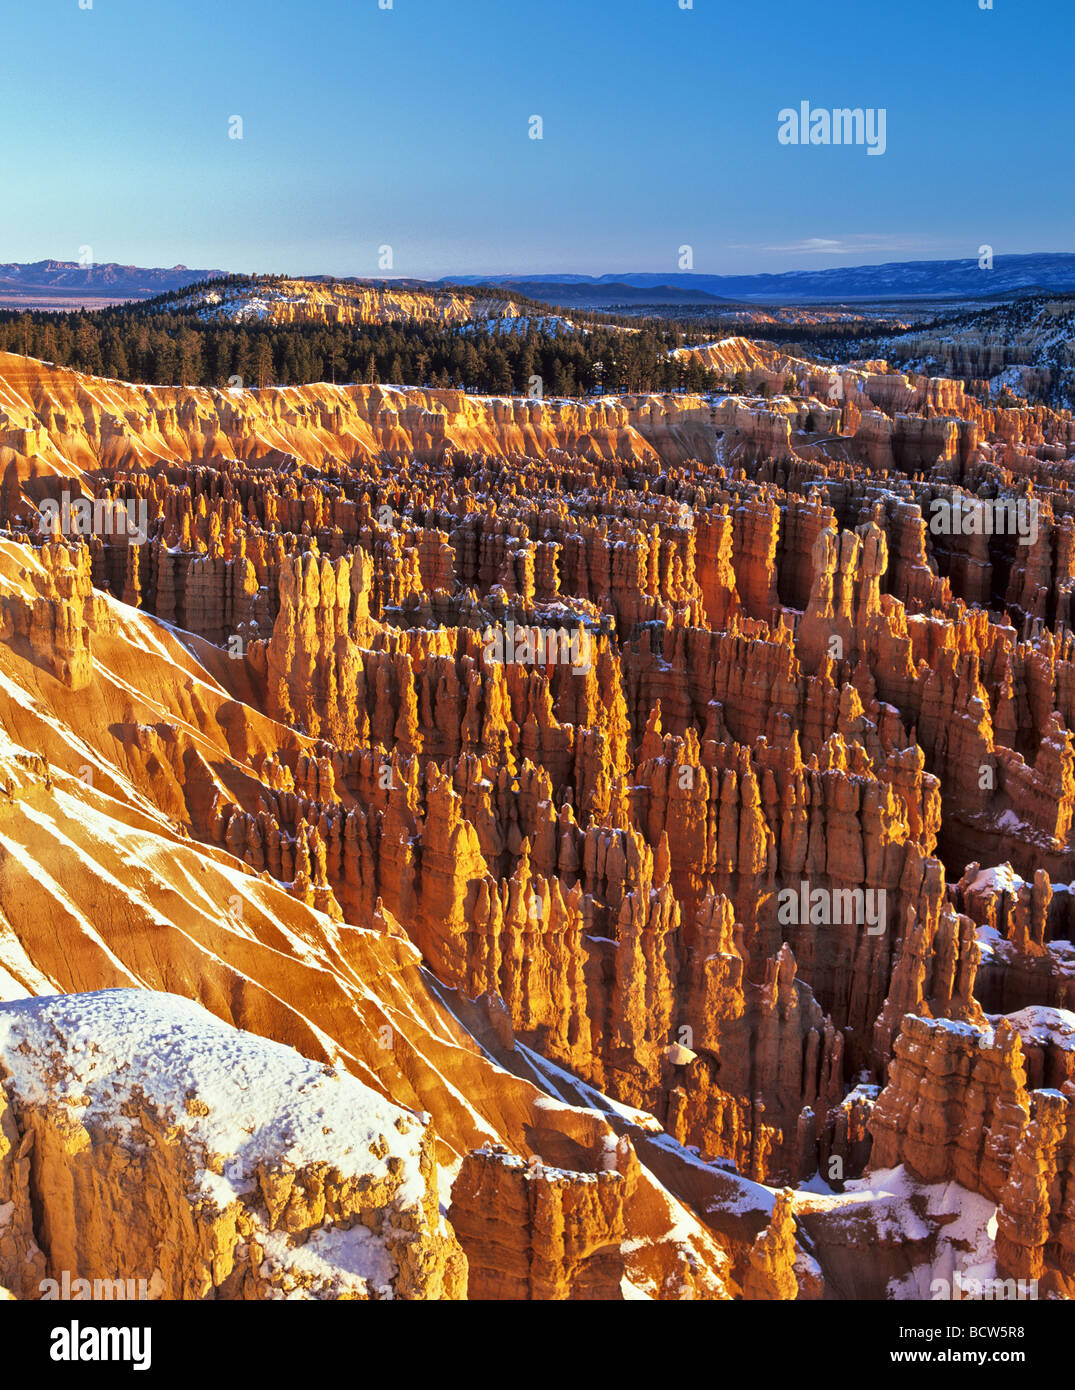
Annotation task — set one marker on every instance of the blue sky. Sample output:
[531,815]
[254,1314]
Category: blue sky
[408,127]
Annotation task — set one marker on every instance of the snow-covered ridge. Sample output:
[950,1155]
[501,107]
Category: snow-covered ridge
[235,1094]
[523,323]
[240,306]
[303,1181]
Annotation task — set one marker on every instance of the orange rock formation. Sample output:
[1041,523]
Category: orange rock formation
[608,781]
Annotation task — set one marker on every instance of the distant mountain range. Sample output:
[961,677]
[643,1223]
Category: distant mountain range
[897,280]
[582,292]
[69,285]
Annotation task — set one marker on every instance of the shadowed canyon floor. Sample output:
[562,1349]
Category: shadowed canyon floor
[557,849]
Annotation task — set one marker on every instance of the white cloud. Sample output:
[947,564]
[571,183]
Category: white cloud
[853,245]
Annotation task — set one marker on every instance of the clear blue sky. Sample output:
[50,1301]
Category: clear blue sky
[409,127]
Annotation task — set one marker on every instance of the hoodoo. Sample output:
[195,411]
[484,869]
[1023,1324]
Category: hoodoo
[581,936]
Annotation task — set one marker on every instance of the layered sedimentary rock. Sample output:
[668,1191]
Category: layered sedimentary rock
[528,758]
[957,1109]
[145,1140]
[282,300]
[535,1231]
[556,1235]
[771,1272]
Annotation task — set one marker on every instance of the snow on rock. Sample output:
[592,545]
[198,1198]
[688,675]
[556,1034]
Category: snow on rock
[904,1235]
[211,1162]
[1044,1026]
[521,324]
[964,1224]
[1002,879]
[989,942]
[242,306]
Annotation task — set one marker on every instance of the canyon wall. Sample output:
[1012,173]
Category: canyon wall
[629,752]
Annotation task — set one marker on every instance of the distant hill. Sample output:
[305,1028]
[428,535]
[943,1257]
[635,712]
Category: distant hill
[325,300]
[897,280]
[68,285]
[606,293]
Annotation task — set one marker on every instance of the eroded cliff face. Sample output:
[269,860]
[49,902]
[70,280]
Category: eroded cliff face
[534,1231]
[145,1140]
[284,300]
[525,756]
[957,1109]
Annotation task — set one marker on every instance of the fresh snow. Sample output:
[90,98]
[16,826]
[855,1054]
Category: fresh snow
[1045,1026]
[265,1102]
[1002,879]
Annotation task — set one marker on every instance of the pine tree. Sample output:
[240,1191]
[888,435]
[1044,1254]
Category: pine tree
[263,365]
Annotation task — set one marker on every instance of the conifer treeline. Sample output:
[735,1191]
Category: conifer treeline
[164,342]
